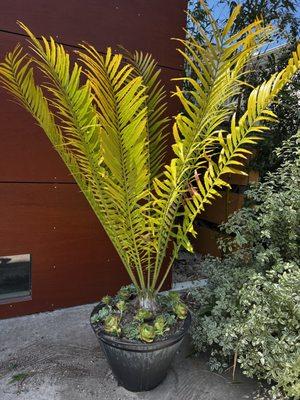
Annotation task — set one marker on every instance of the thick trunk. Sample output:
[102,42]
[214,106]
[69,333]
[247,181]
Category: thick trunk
[147,300]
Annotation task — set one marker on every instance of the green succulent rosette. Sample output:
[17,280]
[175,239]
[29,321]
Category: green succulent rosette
[126,292]
[112,325]
[160,325]
[106,300]
[121,306]
[102,313]
[132,330]
[147,333]
[173,297]
[143,314]
[180,310]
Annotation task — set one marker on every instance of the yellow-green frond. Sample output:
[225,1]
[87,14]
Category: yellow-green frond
[121,105]
[145,66]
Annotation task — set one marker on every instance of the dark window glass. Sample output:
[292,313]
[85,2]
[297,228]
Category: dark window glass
[15,276]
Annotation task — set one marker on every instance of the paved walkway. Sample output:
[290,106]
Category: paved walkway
[55,356]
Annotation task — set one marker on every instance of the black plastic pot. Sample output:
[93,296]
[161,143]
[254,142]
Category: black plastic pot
[140,366]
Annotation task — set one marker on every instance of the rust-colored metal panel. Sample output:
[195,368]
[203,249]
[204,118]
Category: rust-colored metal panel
[42,211]
[144,24]
[73,261]
[27,155]
[206,241]
[223,207]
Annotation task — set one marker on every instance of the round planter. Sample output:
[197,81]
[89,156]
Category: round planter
[140,366]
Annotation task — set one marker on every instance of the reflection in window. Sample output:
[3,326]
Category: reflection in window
[15,276]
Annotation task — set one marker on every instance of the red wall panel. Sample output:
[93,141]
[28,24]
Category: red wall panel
[136,24]
[73,261]
[42,211]
[27,155]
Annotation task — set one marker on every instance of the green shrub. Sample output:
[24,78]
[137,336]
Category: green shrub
[218,306]
[268,327]
[251,305]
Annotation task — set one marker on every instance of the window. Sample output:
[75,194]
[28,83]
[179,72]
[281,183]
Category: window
[15,276]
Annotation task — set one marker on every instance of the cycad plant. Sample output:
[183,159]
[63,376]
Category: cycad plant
[105,116]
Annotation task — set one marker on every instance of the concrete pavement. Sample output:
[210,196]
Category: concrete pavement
[55,356]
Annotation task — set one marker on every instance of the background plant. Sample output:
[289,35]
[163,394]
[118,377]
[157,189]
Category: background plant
[250,308]
[283,16]
[105,117]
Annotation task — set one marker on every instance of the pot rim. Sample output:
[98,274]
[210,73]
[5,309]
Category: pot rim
[140,346]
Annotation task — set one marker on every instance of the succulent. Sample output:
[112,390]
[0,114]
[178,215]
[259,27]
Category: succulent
[173,297]
[95,318]
[121,306]
[126,292]
[147,333]
[180,310]
[160,325]
[106,300]
[112,325]
[132,330]
[143,314]
[102,313]
[170,319]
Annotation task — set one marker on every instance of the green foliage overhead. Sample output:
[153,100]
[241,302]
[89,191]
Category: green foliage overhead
[283,16]
[105,115]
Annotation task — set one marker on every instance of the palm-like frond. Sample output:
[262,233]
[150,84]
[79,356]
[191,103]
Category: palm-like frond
[72,104]
[157,123]
[219,68]
[121,100]
[79,125]
[107,121]
[79,130]
[156,128]
[234,146]
[16,75]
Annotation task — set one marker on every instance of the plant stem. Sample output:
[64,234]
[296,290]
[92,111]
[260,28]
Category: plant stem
[162,281]
[147,300]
